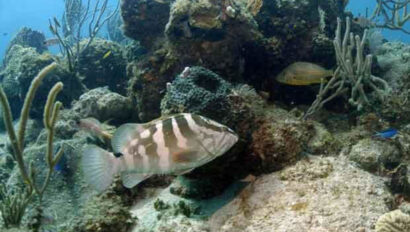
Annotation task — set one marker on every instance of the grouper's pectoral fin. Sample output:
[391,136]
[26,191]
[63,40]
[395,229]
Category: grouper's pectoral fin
[131,179]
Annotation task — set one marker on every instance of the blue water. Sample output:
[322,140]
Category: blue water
[15,14]
[358,7]
[35,14]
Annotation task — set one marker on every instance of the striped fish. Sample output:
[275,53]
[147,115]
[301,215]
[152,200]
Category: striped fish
[171,145]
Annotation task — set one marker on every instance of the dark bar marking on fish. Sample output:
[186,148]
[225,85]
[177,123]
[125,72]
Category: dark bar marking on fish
[203,122]
[169,136]
[151,148]
[184,156]
[184,128]
[200,121]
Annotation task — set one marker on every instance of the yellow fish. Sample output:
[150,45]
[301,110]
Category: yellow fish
[107,54]
[303,73]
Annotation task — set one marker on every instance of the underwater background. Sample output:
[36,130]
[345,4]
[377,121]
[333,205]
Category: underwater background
[17,14]
[205,115]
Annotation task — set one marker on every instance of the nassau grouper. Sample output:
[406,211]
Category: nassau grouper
[171,145]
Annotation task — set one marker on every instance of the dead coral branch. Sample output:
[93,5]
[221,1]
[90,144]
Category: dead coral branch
[394,12]
[353,74]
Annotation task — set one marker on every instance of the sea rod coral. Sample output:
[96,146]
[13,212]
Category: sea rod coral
[351,75]
[11,214]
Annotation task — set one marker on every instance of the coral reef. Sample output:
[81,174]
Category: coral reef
[399,182]
[200,91]
[239,40]
[280,143]
[394,221]
[204,32]
[316,194]
[104,105]
[69,32]
[104,214]
[217,59]
[147,84]
[145,20]
[102,64]
[22,66]
[12,212]
[162,211]
[27,38]
[374,155]
[351,75]
[394,61]
[323,142]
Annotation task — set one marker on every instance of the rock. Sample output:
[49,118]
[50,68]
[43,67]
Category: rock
[323,142]
[148,78]
[22,65]
[373,155]
[316,194]
[145,20]
[394,221]
[104,105]
[164,212]
[103,214]
[399,182]
[405,207]
[28,38]
[280,143]
[103,64]
[203,33]
[394,61]
[204,187]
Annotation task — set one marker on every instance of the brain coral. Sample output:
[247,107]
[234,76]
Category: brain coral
[394,221]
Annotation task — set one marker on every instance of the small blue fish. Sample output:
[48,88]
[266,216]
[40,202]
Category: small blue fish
[386,134]
[61,165]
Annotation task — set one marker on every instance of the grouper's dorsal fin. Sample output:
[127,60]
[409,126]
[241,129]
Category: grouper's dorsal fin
[124,135]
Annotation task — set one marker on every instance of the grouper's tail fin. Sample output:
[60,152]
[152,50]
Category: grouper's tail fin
[99,167]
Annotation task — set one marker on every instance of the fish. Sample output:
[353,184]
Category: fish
[170,145]
[59,167]
[303,73]
[107,54]
[51,42]
[94,127]
[386,134]
[5,33]
[363,22]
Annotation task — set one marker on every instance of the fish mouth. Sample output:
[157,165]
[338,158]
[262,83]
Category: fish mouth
[229,130]
[233,134]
